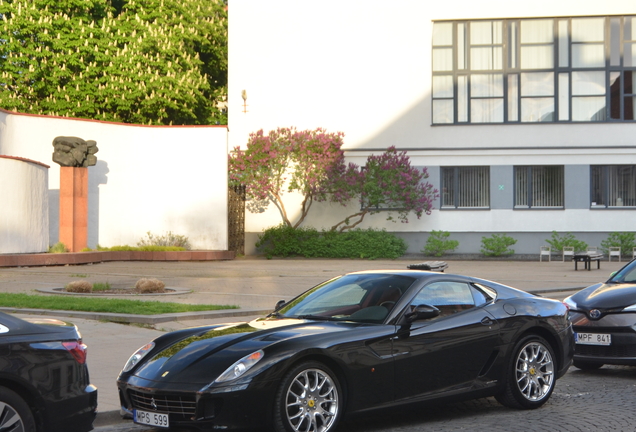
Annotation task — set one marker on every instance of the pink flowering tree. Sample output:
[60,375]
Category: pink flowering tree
[286,160]
[387,183]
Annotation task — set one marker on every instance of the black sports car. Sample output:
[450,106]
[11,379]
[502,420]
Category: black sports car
[604,320]
[358,342]
[44,384]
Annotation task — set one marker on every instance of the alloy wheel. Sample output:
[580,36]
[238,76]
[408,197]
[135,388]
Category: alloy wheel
[10,420]
[312,402]
[535,371]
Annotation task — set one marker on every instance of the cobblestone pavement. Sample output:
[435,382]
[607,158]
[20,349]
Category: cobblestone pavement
[601,400]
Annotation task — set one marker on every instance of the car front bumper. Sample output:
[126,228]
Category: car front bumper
[621,327]
[249,408]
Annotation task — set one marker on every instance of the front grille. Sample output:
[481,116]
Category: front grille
[606,351]
[183,406]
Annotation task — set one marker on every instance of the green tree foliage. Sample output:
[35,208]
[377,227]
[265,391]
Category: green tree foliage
[438,243]
[311,163]
[286,160]
[148,61]
[386,183]
[559,241]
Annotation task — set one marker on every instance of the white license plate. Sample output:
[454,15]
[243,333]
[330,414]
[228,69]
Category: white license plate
[151,418]
[592,339]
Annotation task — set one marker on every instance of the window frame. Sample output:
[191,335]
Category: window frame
[456,191]
[605,180]
[530,190]
[562,105]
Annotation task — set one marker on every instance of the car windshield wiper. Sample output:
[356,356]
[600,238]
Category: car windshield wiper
[316,317]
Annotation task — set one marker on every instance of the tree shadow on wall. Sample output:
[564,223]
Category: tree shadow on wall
[97,175]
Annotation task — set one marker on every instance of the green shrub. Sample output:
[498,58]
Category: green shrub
[285,241]
[168,239]
[58,247]
[497,245]
[559,241]
[438,243]
[626,241]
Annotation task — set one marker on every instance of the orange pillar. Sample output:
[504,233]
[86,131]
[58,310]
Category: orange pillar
[74,207]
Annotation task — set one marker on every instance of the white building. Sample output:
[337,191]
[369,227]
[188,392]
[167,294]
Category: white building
[523,112]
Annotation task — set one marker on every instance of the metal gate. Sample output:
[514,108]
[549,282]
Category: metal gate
[236,219]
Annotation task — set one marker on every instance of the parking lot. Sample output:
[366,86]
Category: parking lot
[583,401]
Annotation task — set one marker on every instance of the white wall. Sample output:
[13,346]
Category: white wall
[24,222]
[156,179]
[363,67]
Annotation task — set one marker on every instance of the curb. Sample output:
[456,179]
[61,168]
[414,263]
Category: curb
[139,319]
[76,258]
[60,291]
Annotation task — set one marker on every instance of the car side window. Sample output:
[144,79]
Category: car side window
[479,296]
[448,297]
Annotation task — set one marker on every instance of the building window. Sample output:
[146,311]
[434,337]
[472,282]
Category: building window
[539,187]
[465,187]
[534,70]
[613,186]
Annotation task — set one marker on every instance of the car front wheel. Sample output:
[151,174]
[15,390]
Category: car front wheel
[15,414]
[309,399]
[531,376]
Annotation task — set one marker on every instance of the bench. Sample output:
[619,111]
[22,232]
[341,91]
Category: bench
[438,266]
[587,258]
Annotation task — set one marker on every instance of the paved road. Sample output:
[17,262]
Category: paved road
[601,400]
[582,401]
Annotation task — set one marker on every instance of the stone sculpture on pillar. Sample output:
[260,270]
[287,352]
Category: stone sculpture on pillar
[74,152]
[74,156]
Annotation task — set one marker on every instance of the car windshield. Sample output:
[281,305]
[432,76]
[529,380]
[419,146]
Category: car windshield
[625,275]
[355,297]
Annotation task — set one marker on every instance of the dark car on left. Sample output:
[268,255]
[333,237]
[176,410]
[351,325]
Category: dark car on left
[44,381]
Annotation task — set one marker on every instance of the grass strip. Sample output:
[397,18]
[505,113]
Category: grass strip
[68,303]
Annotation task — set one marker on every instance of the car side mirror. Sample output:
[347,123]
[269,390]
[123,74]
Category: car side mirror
[421,312]
[279,304]
[613,273]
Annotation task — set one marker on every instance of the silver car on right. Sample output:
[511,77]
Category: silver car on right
[604,320]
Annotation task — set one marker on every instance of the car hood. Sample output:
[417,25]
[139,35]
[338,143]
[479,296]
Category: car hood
[201,358]
[605,296]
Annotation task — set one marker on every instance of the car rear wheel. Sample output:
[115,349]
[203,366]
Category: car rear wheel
[309,399]
[531,375]
[15,414]
[585,365]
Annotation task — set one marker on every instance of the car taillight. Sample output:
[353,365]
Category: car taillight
[77,350]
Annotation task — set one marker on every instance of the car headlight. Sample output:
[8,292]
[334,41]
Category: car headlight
[137,356]
[631,308]
[570,303]
[240,367]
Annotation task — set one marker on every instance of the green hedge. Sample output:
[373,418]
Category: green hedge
[284,241]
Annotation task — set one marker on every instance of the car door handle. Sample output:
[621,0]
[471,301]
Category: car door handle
[487,321]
